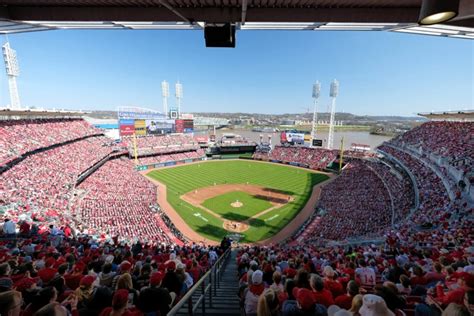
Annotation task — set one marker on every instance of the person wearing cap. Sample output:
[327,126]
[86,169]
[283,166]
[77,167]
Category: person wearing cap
[465,283]
[84,291]
[26,284]
[48,272]
[119,305]
[253,292]
[184,277]
[171,280]
[125,267]
[303,305]
[73,278]
[373,305]
[432,305]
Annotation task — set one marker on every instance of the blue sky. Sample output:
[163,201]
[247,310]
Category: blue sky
[269,72]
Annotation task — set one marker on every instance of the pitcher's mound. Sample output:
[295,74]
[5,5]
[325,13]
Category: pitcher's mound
[236,204]
[234,226]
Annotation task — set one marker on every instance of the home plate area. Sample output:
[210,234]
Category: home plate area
[237,204]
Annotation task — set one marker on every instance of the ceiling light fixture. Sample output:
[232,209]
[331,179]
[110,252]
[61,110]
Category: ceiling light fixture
[438,11]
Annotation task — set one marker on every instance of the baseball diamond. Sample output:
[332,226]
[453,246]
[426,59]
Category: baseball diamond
[256,199]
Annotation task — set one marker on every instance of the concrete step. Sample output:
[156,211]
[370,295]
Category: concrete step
[225,301]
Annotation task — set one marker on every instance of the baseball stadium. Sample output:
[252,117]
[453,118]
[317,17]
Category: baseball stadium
[153,212]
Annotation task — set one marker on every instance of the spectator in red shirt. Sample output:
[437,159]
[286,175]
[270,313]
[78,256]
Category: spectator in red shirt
[418,277]
[25,229]
[321,295]
[330,283]
[437,275]
[465,282]
[345,301]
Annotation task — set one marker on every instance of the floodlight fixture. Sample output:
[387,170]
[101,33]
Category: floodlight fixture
[438,11]
[13,71]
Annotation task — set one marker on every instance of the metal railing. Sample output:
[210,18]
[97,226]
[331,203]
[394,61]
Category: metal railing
[207,285]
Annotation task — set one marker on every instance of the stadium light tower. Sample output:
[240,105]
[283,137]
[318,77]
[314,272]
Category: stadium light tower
[333,94]
[13,71]
[165,92]
[179,96]
[316,93]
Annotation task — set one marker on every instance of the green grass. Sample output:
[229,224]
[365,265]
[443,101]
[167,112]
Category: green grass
[222,205]
[292,181]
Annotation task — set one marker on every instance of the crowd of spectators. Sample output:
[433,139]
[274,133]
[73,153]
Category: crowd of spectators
[51,274]
[433,197]
[114,201]
[354,204]
[118,201]
[451,140]
[18,137]
[161,144]
[393,278]
[314,158]
[400,186]
[164,158]
[45,180]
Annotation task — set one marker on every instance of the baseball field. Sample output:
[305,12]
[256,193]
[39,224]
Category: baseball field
[253,199]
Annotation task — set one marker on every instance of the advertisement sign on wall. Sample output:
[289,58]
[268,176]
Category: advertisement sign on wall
[179,126]
[295,138]
[140,127]
[155,127]
[126,130]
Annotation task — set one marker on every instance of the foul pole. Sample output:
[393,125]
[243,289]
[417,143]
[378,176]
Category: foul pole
[341,154]
[135,150]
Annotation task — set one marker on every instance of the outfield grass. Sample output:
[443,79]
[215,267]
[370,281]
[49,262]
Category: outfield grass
[293,181]
[222,205]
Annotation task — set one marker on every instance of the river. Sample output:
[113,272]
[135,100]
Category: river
[359,137]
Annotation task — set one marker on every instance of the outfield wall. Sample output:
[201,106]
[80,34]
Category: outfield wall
[168,164]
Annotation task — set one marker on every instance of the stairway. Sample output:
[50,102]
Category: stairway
[225,301]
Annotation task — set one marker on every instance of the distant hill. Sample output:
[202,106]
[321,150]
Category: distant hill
[348,118]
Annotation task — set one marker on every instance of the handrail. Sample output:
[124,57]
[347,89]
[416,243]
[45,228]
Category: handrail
[410,175]
[213,276]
